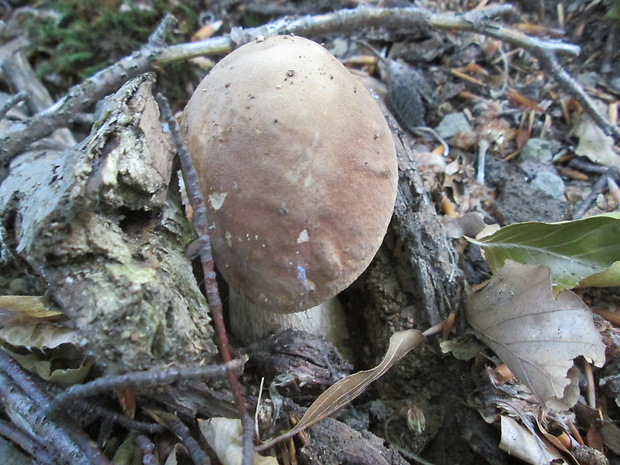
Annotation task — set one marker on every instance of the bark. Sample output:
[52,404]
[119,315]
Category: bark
[99,228]
[414,282]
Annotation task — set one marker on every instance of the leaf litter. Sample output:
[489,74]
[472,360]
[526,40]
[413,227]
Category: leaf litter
[347,389]
[537,335]
[583,252]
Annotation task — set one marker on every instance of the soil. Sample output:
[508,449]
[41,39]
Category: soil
[111,251]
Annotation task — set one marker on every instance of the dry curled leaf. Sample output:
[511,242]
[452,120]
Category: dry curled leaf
[26,310]
[535,334]
[64,377]
[225,436]
[519,441]
[347,389]
[594,143]
[41,336]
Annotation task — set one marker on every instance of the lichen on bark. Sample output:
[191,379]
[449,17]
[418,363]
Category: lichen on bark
[101,225]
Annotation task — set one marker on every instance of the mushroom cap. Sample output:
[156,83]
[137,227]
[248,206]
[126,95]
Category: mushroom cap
[298,169]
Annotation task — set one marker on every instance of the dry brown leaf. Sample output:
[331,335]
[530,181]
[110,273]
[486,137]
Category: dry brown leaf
[522,443]
[347,389]
[64,377]
[40,336]
[593,143]
[26,310]
[225,436]
[535,334]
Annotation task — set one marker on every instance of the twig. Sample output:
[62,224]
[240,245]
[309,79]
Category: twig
[591,388]
[483,147]
[152,56]
[62,429]
[583,164]
[127,423]
[12,102]
[66,445]
[600,186]
[147,447]
[9,366]
[29,443]
[153,377]
[158,37]
[42,388]
[199,457]
[572,87]
[18,72]
[201,223]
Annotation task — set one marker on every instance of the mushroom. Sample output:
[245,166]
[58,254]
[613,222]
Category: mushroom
[298,169]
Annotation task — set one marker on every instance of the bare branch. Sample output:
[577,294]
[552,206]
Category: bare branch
[25,403]
[572,87]
[153,377]
[12,102]
[154,55]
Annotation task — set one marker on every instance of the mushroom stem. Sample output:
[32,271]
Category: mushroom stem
[250,322]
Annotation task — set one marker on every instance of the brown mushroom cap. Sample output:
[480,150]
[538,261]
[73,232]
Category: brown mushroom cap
[298,169]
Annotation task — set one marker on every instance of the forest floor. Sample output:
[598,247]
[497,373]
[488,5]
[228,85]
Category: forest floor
[476,97]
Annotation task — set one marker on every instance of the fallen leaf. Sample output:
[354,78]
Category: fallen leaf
[517,440]
[40,336]
[535,334]
[63,377]
[26,310]
[593,143]
[608,278]
[583,252]
[349,388]
[463,348]
[225,436]
[172,458]
[128,452]
[469,224]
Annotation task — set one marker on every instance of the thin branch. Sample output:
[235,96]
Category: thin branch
[148,448]
[201,224]
[600,186]
[12,102]
[572,87]
[125,422]
[153,377]
[60,429]
[63,442]
[9,366]
[154,55]
[198,456]
[29,443]
[158,37]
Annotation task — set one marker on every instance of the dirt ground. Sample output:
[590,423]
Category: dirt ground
[113,257]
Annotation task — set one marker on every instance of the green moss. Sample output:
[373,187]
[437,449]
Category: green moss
[73,39]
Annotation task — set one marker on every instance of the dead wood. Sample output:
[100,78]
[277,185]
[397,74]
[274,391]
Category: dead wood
[98,224]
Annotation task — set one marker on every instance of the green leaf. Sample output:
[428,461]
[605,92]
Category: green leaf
[614,13]
[580,253]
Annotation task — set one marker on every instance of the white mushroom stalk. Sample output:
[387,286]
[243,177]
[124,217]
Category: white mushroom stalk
[299,171]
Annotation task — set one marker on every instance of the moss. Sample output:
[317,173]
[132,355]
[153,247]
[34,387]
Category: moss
[73,39]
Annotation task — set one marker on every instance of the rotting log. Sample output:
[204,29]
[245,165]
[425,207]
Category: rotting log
[99,228]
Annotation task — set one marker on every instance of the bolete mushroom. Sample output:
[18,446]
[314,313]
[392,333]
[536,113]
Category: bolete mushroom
[298,169]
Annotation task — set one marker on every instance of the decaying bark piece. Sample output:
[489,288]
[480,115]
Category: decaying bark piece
[414,282]
[331,441]
[98,224]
